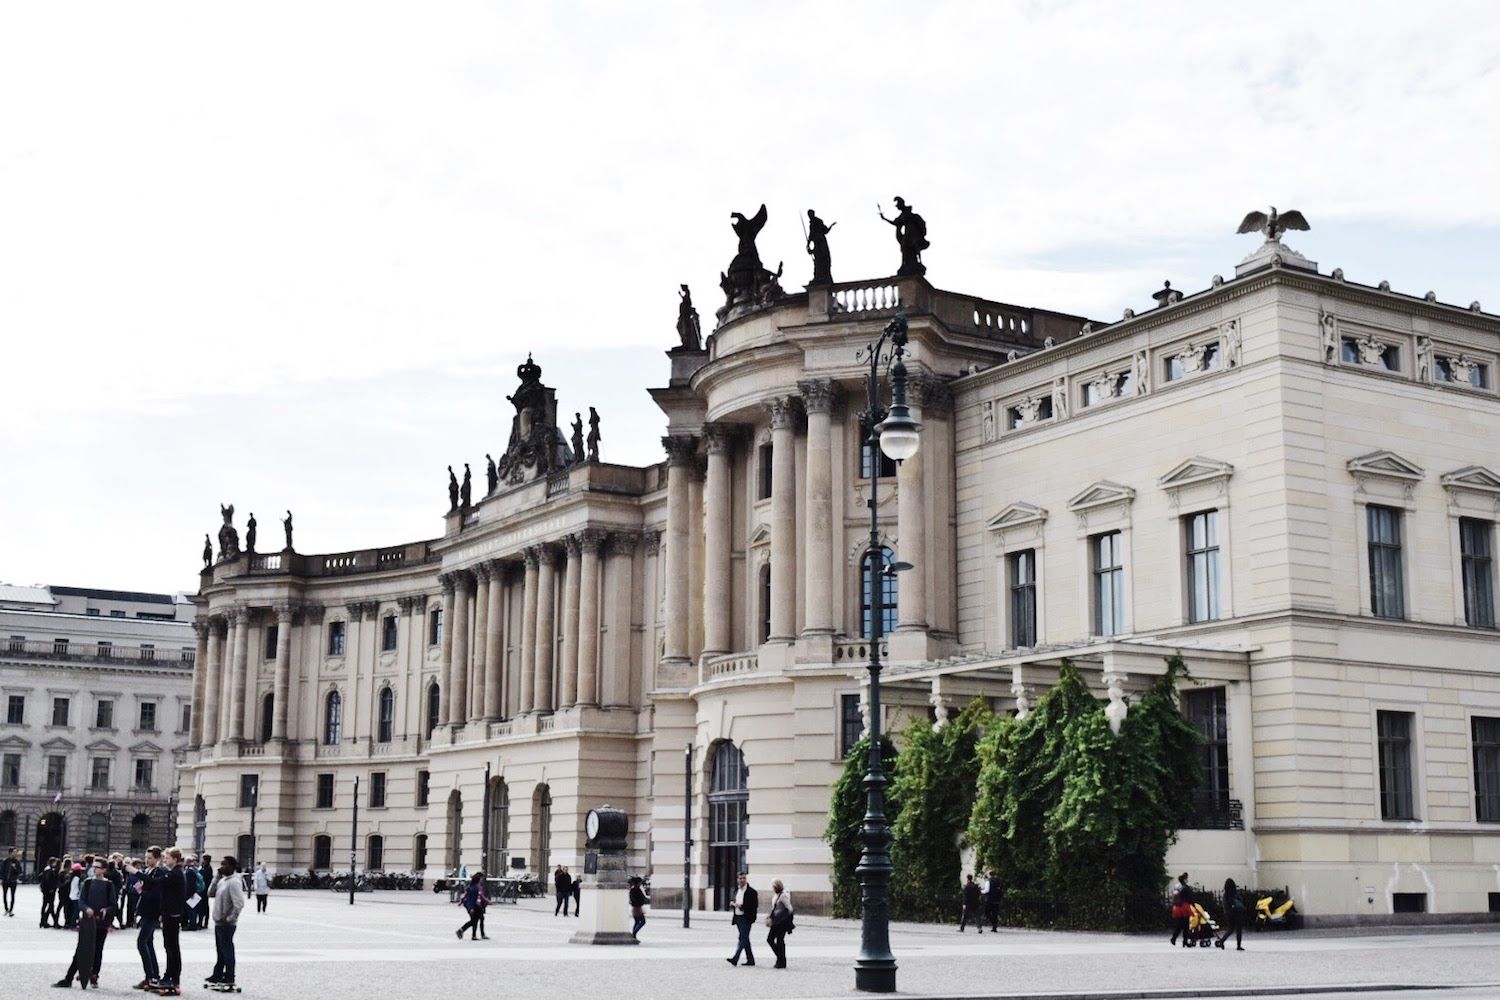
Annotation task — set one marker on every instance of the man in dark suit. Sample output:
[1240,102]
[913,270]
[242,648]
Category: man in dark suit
[744,905]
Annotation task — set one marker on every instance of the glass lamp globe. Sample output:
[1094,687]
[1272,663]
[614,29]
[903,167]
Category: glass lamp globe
[899,434]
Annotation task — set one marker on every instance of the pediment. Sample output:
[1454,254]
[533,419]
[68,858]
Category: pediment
[1016,515]
[145,747]
[1101,494]
[59,743]
[1195,470]
[14,742]
[760,536]
[1387,464]
[1472,477]
[102,746]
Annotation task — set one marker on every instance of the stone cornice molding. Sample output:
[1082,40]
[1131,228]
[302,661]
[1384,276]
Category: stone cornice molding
[818,394]
[1194,471]
[679,448]
[624,543]
[783,411]
[1384,464]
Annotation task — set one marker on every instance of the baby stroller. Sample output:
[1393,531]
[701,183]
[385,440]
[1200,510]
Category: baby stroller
[1201,927]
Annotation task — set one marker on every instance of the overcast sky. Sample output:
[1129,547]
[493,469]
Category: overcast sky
[289,255]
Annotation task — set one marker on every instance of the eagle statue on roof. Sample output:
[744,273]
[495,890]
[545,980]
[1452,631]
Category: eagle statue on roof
[1273,225]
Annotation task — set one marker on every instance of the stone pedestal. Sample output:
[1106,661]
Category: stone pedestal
[605,904]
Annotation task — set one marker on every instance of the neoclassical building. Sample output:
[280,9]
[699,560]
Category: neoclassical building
[1288,477]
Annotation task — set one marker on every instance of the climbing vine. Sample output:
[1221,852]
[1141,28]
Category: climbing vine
[846,812]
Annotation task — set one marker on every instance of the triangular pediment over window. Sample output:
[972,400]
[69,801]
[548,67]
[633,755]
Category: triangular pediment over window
[1196,470]
[145,747]
[1472,477]
[1101,494]
[760,536]
[14,742]
[1385,463]
[59,743]
[102,746]
[1016,515]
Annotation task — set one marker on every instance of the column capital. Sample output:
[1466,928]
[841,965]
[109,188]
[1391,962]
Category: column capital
[412,603]
[573,545]
[312,614]
[283,613]
[238,615]
[783,410]
[653,542]
[546,553]
[483,571]
[928,392]
[463,580]
[718,439]
[680,448]
[201,626]
[449,583]
[818,394]
[359,609]
[529,556]
[623,543]
[592,539]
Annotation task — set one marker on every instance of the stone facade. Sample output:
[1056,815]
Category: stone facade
[1284,477]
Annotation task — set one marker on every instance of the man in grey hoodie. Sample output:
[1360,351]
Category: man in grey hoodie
[227,895]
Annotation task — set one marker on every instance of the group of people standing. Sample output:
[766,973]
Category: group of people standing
[989,896]
[745,906]
[567,889]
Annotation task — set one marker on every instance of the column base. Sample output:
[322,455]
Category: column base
[676,672]
[913,644]
[815,646]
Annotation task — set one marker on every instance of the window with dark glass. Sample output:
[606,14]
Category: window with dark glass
[1202,533]
[386,724]
[148,651]
[15,710]
[145,775]
[60,647]
[377,790]
[765,603]
[1022,571]
[1393,734]
[434,708]
[186,722]
[267,716]
[1109,583]
[434,626]
[1387,597]
[333,718]
[424,786]
[421,852]
[887,596]
[56,771]
[322,852]
[763,476]
[148,716]
[851,723]
[1475,538]
[104,650]
[1206,710]
[868,452]
[249,790]
[335,638]
[272,636]
[388,634]
[325,791]
[10,777]
[1486,736]
[375,856]
[59,711]
[99,774]
[104,714]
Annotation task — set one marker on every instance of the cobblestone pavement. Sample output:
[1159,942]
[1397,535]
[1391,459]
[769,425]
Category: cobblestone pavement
[395,945]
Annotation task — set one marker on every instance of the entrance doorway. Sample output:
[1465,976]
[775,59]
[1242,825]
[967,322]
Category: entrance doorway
[541,833]
[51,834]
[728,812]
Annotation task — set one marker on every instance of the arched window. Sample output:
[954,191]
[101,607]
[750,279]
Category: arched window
[541,828]
[375,853]
[765,602]
[98,833]
[200,824]
[267,716]
[499,827]
[434,706]
[322,852]
[728,817]
[887,595]
[387,723]
[7,828]
[455,829]
[333,719]
[140,833]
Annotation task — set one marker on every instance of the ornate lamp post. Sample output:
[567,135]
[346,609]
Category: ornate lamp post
[898,437]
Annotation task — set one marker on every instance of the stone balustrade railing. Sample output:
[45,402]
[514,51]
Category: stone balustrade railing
[857,651]
[79,652]
[729,665]
[329,564]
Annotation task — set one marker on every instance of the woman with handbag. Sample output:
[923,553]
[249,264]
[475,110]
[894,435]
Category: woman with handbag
[779,920]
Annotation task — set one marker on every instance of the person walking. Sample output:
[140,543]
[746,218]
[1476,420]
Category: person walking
[96,905]
[10,877]
[1234,916]
[994,891]
[563,886]
[48,883]
[1182,909]
[780,922]
[578,897]
[744,905]
[475,901]
[228,897]
[146,893]
[638,901]
[174,910]
[970,909]
[262,887]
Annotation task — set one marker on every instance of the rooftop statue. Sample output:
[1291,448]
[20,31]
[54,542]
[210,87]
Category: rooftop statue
[537,445]
[491,477]
[208,551]
[817,248]
[250,535]
[1273,225]
[465,492]
[688,330]
[286,526]
[911,234]
[594,437]
[578,434]
[747,278]
[229,538]
[452,490]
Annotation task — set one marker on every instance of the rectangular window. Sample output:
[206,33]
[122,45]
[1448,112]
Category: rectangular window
[1463,370]
[869,453]
[763,480]
[56,771]
[1486,735]
[104,714]
[1408,902]
[273,636]
[92,612]
[1202,535]
[1475,550]
[1207,710]
[851,723]
[186,722]
[148,651]
[15,710]
[99,774]
[388,634]
[434,626]
[103,650]
[145,775]
[335,638]
[1109,583]
[249,790]
[1022,597]
[325,791]
[117,614]
[377,790]
[10,774]
[1387,597]
[1028,412]
[59,711]
[424,783]
[1393,732]
[148,716]
[59,647]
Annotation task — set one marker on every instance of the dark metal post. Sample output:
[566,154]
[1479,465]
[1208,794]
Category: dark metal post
[353,838]
[484,829]
[254,801]
[687,835]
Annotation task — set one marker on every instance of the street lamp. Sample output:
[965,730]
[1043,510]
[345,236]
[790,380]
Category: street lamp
[898,437]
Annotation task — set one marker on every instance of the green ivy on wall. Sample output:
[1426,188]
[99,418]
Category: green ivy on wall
[846,813]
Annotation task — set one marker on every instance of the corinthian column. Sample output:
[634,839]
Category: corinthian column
[911,530]
[718,440]
[213,682]
[783,520]
[546,624]
[282,686]
[572,581]
[232,626]
[493,653]
[680,449]
[463,592]
[616,687]
[817,563]
[241,672]
[589,541]
[445,657]
[528,634]
[201,628]
[481,639]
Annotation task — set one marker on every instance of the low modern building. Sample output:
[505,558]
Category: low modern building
[1288,477]
[96,686]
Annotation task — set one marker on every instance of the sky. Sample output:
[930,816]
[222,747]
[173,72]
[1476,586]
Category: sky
[289,255]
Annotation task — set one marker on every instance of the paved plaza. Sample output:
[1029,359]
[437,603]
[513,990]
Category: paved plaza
[401,944]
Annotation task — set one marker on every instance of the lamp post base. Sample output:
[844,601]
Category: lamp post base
[875,976]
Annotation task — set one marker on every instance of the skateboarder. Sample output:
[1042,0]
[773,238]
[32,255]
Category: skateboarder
[228,898]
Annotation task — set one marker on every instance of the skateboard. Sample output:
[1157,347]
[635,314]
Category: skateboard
[222,987]
[165,991]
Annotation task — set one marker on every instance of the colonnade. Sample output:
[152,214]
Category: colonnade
[221,671]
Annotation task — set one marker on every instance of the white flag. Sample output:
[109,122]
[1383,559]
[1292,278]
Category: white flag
[57,798]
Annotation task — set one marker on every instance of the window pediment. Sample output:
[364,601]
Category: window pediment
[59,743]
[1016,515]
[1194,471]
[102,746]
[1385,464]
[14,742]
[760,536]
[1472,477]
[1101,494]
[145,747]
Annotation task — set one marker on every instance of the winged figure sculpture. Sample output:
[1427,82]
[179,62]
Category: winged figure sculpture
[1273,225]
